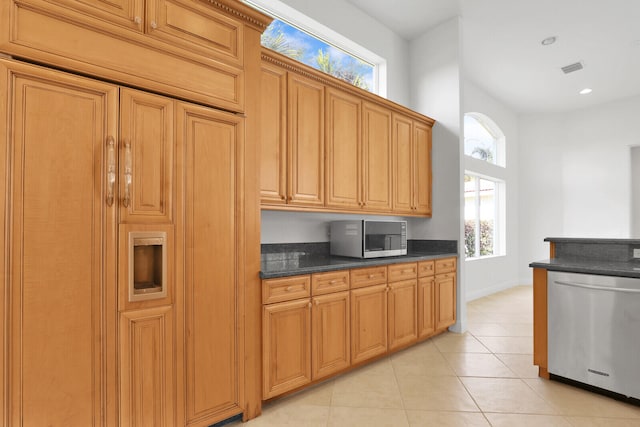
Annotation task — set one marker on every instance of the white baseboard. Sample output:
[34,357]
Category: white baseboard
[491,290]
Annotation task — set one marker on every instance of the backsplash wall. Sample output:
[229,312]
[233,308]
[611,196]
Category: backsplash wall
[307,227]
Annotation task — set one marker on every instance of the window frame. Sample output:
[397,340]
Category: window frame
[499,216]
[495,172]
[290,16]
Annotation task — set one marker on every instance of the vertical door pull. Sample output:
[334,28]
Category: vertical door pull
[128,175]
[111,169]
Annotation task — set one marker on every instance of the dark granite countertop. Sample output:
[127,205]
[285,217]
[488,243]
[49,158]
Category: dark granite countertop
[588,240]
[303,263]
[589,266]
[605,257]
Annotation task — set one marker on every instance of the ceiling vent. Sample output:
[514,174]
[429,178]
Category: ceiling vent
[572,67]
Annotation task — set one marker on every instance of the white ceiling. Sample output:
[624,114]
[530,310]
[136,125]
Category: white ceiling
[502,49]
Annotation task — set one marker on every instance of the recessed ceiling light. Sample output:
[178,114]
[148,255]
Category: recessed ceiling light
[586,91]
[549,40]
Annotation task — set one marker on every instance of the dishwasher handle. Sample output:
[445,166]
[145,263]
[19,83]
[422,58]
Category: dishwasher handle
[597,287]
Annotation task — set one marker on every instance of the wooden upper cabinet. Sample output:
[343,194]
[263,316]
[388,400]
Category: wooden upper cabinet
[411,166]
[273,134]
[376,151]
[343,146]
[422,168]
[190,49]
[147,146]
[305,141]
[347,150]
[125,13]
[59,326]
[193,26]
[403,164]
[196,28]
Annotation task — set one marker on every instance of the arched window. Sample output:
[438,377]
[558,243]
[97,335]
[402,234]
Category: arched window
[484,187]
[483,139]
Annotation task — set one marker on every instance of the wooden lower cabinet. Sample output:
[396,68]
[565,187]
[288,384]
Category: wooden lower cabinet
[368,322]
[426,306]
[349,317]
[330,337]
[286,346]
[445,297]
[402,313]
[147,368]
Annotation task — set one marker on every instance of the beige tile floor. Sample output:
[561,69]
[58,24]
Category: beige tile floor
[484,377]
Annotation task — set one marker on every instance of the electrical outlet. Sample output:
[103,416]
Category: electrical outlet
[636,253]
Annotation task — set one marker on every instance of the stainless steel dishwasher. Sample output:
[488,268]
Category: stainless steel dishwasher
[594,330]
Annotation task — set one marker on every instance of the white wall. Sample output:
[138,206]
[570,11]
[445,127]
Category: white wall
[635,192]
[575,176]
[436,91]
[486,276]
[308,227]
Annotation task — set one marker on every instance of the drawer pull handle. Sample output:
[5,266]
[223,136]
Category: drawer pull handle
[289,288]
[333,282]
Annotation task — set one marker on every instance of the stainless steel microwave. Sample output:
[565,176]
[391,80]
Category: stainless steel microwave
[368,239]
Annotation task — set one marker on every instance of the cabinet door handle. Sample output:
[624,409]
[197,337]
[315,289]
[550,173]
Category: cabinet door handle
[111,169]
[154,24]
[137,20]
[128,175]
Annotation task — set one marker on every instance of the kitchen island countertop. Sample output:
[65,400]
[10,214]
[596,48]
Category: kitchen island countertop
[608,257]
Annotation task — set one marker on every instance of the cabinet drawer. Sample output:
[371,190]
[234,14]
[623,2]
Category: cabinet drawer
[406,271]
[426,268]
[362,277]
[285,289]
[445,265]
[324,283]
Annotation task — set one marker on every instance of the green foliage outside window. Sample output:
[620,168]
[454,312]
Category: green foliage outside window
[486,238]
[298,45]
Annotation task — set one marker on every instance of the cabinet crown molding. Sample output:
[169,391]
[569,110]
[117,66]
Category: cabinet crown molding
[250,16]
